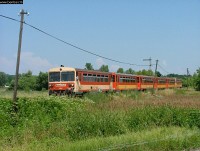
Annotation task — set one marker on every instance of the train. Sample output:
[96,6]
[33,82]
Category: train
[72,81]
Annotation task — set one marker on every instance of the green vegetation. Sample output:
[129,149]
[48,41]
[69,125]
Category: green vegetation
[120,70]
[89,66]
[2,78]
[197,80]
[27,81]
[167,120]
[104,68]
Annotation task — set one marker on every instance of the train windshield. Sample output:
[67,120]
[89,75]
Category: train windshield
[67,76]
[54,76]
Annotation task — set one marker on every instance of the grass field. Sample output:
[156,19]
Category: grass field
[162,120]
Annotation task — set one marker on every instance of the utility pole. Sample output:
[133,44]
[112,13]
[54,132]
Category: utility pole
[155,74]
[18,59]
[149,62]
[187,77]
[156,68]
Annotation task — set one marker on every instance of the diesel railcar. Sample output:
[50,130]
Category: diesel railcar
[70,81]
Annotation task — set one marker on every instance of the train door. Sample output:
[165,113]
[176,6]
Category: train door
[114,81]
[78,81]
[138,83]
[155,83]
[167,83]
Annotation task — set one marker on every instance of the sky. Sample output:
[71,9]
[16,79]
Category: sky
[123,30]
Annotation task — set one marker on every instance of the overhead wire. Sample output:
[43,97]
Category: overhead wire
[163,69]
[72,45]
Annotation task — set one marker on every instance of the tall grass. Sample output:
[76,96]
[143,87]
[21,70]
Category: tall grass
[49,120]
[44,116]
[171,138]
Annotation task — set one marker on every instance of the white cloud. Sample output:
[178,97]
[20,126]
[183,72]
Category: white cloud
[28,61]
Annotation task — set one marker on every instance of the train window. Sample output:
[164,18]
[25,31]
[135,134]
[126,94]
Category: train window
[54,76]
[90,77]
[84,77]
[161,81]
[113,78]
[147,80]
[106,79]
[67,76]
[94,77]
[98,78]
[172,81]
[133,80]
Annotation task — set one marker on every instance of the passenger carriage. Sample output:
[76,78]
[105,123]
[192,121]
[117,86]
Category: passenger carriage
[66,80]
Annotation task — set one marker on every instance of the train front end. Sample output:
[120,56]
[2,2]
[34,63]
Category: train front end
[61,81]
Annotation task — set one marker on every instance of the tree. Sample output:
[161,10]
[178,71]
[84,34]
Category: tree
[42,81]
[9,78]
[104,68]
[2,78]
[89,66]
[130,71]
[197,80]
[158,74]
[120,70]
[26,81]
[149,73]
[145,72]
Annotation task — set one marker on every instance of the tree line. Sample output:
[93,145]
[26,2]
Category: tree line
[104,68]
[28,81]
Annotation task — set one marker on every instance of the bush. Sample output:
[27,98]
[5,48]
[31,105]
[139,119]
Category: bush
[69,118]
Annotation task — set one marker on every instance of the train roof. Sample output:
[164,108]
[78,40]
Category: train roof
[94,71]
[61,69]
[56,69]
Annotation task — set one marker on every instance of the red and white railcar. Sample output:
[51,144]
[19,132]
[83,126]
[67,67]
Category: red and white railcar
[65,80]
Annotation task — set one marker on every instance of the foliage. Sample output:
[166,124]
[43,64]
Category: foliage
[120,70]
[173,75]
[130,71]
[41,81]
[9,79]
[104,68]
[62,120]
[145,72]
[197,80]
[2,78]
[76,122]
[158,74]
[27,81]
[89,66]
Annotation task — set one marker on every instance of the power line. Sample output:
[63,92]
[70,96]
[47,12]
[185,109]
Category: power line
[163,69]
[149,62]
[84,50]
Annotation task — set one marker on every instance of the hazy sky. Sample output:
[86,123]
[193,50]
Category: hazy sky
[124,30]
